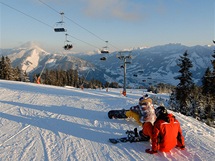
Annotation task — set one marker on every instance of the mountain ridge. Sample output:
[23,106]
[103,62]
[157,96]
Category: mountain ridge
[149,65]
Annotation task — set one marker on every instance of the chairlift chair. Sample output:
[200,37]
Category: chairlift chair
[67,45]
[59,26]
[103,58]
[105,49]
[59,29]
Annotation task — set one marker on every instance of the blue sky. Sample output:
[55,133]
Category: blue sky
[124,23]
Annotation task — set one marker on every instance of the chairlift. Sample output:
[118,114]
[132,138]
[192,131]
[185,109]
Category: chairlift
[105,49]
[59,29]
[103,58]
[59,26]
[67,46]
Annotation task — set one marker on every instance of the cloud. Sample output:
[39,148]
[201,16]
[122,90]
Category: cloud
[120,9]
[127,10]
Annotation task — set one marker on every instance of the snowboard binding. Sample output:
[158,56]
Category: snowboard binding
[132,135]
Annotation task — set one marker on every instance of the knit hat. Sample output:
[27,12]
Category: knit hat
[145,101]
[161,110]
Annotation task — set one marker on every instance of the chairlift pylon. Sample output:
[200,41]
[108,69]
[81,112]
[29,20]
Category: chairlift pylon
[60,26]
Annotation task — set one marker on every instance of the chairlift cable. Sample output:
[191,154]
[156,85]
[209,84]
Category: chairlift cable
[73,21]
[44,23]
[85,29]
[83,41]
[89,31]
[49,6]
[27,15]
[78,25]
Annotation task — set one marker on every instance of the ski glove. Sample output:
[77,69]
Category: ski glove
[150,151]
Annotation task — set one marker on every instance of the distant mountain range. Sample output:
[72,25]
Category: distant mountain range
[147,66]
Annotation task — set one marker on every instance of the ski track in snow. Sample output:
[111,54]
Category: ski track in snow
[49,123]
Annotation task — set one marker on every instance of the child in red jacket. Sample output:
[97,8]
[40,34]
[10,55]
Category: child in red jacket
[167,132]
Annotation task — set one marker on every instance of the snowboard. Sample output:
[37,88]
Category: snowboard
[119,114]
[132,136]
[117,140]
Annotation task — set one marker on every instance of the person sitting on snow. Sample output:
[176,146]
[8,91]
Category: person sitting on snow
[144,114]
[167,132]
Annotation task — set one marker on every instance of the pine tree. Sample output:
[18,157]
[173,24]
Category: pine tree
[208,91]
[16,74]
[213,75]
[76,80]
[207,82]
[213,88]
[185,86]
[173,103]
[2,68]
[25,77]
[8,69]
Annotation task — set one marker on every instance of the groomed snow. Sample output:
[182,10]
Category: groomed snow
[47,123]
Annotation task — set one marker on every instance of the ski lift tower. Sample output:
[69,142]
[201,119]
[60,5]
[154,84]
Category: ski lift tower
[124,56]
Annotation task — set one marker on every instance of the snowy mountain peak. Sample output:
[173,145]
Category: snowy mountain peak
[30,45]
[157,63]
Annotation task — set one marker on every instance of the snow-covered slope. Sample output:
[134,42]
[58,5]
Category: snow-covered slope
[39,122]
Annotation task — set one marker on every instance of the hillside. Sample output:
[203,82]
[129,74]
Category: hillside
[154,64]
[148,65]
[40,122]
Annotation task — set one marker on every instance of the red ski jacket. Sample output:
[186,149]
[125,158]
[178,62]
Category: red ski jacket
[167,134]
